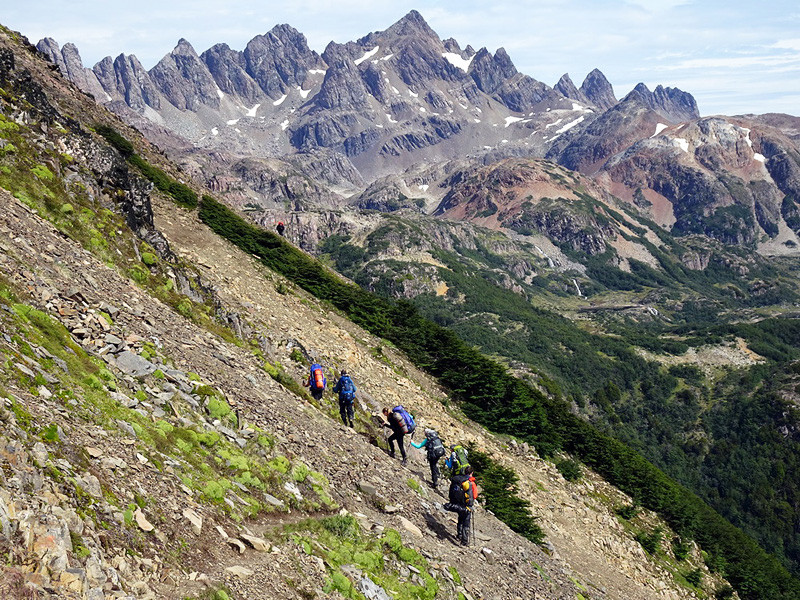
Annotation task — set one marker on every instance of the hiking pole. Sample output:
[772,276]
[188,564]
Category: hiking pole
[472,540]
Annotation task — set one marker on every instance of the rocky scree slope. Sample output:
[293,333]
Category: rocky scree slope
[147,456]
[118,458]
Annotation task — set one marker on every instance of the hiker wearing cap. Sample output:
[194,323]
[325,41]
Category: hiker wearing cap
[434,451]
[347,395]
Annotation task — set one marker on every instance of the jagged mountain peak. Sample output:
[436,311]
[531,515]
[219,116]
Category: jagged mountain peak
[491,71]
[671,103]
[412,24]
[183,47]
[597,90]
[451,45]
[567,88]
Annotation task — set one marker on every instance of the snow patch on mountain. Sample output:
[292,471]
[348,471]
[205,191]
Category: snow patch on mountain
[659,128]
[367,55]
[681,143]
[756,155]
[570,125]
[456,60]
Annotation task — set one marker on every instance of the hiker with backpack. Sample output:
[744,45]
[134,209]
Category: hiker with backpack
[400,421]
[458,460]
[316,381]
[347,395]
[462,496]
[434,451]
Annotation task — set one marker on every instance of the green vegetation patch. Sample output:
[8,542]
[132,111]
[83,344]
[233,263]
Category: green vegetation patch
[339,542]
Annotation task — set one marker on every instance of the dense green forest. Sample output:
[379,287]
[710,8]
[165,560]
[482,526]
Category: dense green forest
[490,395]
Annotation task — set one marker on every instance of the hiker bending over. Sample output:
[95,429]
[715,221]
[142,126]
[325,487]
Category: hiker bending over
[395,422]
[347,395]
[458,460]
[463,493]
[281,227]
[434,450]
[316,381]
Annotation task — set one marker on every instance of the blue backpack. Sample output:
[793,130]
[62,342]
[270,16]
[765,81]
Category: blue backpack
[347,389]
[406,420]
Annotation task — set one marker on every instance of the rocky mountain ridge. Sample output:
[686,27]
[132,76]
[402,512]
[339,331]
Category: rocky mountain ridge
[386,98]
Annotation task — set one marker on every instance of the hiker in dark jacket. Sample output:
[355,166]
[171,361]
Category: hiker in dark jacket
[462,495]
[434,451]
[347,395]
[394,422]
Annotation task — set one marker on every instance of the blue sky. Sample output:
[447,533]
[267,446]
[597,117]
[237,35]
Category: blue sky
[734,56]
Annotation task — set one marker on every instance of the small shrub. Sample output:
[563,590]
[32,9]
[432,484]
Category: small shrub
[184,308]
[149,259]
[208,438]
[300,472]
[680,549]
[280,464]
[296,355]
[627,511]
[93,382]
[42,172]
[138,274]
[651,542]
[218,409]
[570,469]
[215,490]
[50,434]
[694,577]
[342,526]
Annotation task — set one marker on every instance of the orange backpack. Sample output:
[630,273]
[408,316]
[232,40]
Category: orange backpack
[317,377]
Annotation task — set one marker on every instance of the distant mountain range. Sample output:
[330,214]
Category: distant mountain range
[278,126]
